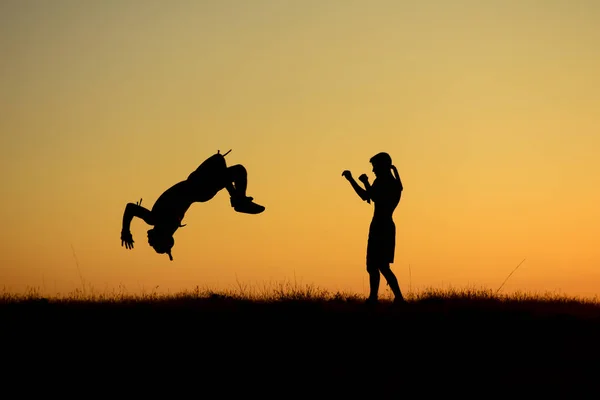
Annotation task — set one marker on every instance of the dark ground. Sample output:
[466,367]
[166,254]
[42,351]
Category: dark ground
[220,347]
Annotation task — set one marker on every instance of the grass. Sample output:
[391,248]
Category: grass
[292,291]
[310,339]
[431,299]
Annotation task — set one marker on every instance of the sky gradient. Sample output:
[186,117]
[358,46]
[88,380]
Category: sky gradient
[488,109]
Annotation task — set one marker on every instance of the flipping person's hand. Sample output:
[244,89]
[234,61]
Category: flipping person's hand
[126,239]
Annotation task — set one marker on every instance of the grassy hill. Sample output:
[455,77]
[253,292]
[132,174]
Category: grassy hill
[299,342]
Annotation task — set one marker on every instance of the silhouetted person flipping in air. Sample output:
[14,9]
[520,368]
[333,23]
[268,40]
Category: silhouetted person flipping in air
[385,193]
[203,184]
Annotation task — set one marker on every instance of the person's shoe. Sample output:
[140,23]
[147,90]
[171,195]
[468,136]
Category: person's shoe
[237,200]
[399,301]
[371,302]
[246,205]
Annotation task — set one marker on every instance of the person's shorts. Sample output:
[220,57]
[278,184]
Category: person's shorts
[209,178]
[381,244]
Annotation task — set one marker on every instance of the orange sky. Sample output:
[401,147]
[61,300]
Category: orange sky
[488,109]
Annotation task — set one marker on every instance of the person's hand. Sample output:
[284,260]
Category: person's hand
[126,239]
[347,174]
[396,175]
[364,179]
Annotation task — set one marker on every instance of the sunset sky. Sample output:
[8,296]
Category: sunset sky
[489,109]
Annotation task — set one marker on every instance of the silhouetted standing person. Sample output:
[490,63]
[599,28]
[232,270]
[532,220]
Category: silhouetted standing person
[203,184]
[385,193]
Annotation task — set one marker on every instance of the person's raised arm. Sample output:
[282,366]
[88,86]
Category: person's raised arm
[133,210]
[362,193]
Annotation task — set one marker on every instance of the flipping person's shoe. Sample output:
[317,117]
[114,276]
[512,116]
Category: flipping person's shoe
[246,205]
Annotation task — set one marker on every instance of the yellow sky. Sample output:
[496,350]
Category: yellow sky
[488,109]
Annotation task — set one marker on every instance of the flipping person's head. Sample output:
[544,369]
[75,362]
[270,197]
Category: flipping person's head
[162,242]
[382,162]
